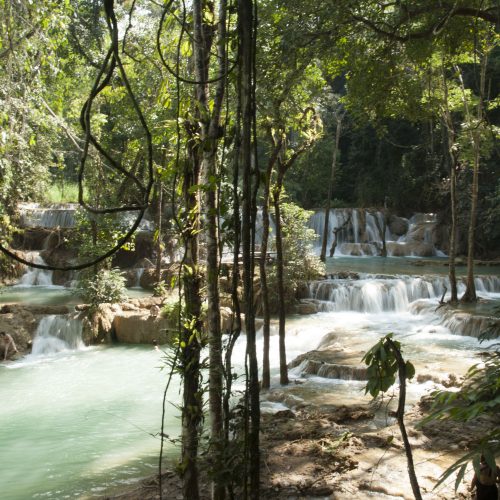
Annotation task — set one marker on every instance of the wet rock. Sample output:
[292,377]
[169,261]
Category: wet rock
[284,414]
[306,307]
[148,279]
[328,364]
[143,248]
[345,275]
[142,328]
[397,225]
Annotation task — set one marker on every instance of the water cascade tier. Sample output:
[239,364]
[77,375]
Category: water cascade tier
[34,276]
[373,294]
[360,232]
[56,333]
[63,216]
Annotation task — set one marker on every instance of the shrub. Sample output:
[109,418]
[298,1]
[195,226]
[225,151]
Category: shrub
[107,286]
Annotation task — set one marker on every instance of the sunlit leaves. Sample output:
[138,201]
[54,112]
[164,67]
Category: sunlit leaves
[383,366]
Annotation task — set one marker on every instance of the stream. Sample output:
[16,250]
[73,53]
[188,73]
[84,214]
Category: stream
[78,422]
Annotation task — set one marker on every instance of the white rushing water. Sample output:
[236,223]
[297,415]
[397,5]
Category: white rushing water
[361,233]
[78,421]
[34,276]
[56,333]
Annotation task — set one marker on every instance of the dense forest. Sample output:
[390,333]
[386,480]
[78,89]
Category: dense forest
[208,118]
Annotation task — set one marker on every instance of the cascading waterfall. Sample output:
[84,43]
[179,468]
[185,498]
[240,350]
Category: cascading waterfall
[361,233]
[56,333]
[139,271]
[373,294]
[63,216]
[34,276]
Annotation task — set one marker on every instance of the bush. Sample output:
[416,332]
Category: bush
[300,264]
[107,286]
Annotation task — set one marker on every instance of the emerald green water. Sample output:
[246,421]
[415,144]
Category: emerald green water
[51,295]
[401,265]
[80,423]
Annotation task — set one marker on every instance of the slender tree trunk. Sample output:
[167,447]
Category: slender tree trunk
[453,160]
[330,186]
[210,124]
[246,34]
[475,137]
[280,276]
[266,314]
[192,411]
[400,418]
[159,223]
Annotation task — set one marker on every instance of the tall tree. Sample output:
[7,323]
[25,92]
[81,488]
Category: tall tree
[246,98]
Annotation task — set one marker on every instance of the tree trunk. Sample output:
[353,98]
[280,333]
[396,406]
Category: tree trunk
[280,276]
[475,137]
[159,223]
[192,411]
[245,61]
[266,314]
[330,188]
[210,123]
[453,159]
[400,418]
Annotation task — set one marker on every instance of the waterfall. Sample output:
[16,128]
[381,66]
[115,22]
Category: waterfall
[63,216]
[139,271]
[57,333]
[376,295]
[358,240]
[32,215]
[34,276]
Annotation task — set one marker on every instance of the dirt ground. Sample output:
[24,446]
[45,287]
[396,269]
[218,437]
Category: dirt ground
[337,453]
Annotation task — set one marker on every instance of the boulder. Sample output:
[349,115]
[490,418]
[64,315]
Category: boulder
[306,307]
[143,248]
[330,363]
[37,238]
[143,328]
[398,226]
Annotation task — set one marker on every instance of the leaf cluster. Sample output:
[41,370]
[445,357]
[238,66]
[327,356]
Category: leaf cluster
[383,365]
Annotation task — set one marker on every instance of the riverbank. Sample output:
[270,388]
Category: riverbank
[339,453]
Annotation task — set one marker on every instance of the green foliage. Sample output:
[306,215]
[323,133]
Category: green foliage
[107,286]
[300,264]
[95,235]
[62,193]
[383,366]
[171,310]
[478,396]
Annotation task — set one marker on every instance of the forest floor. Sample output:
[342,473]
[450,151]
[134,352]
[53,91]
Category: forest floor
[326,452]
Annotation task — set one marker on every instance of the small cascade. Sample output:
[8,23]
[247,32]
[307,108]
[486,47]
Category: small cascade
[373,294]
[33,215]
[139,271]
[360,233]
[56,333]
[259,227]
[301,367]
[63,216]
[34,276]
[470,325]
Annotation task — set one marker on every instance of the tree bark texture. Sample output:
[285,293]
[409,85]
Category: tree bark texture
[190,335]
[245,10]
[280,275]
[209,131]
[266,314]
